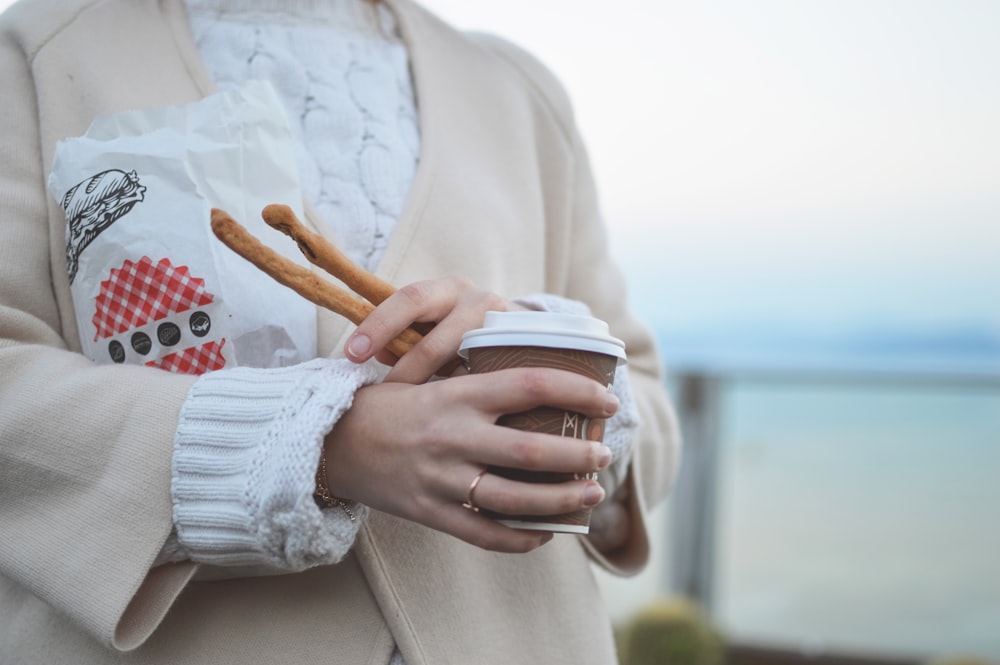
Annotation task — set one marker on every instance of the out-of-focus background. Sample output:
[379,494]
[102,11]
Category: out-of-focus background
[805,197]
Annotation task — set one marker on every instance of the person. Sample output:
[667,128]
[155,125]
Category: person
[153,516]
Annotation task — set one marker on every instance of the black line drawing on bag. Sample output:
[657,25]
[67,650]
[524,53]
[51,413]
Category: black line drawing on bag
[95,204]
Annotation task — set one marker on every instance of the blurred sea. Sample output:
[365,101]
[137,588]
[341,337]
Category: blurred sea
[861,515]
[858,501]
[858,504]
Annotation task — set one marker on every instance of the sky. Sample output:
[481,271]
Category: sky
[779,167]
[823,167]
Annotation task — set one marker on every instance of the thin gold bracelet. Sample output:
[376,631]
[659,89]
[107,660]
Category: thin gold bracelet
[322,495]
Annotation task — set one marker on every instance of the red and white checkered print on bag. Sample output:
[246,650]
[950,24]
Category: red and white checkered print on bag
[195,360]
[141,292]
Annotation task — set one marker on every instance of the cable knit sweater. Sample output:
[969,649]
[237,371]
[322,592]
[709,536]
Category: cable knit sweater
[341,71]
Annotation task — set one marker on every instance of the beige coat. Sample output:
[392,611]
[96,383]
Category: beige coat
[503,195]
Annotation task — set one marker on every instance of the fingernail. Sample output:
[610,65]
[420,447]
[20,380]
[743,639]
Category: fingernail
[593,495]
[603,457]
[611,404]
[358,346]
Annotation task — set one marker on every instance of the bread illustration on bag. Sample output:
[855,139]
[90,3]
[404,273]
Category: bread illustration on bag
[95,204]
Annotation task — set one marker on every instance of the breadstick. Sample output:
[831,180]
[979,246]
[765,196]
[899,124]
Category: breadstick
[301,280]
[324,254]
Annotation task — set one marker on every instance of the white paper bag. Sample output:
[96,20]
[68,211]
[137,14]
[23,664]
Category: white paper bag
[150,282]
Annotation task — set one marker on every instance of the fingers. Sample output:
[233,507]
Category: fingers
[413,449]
[486,397]
[512,497]
[513,449]
[509,497]
[454,304]
[522,388]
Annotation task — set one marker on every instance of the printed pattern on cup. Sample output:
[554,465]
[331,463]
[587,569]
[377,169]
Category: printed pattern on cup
[556,421]
[142,310]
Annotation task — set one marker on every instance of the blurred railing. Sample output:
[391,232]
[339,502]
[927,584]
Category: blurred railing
[694,511]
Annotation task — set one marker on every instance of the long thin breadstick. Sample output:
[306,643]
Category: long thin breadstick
[324,254]
[303,281]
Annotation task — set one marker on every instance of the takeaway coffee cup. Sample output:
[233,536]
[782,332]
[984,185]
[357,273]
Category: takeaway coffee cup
[578,344]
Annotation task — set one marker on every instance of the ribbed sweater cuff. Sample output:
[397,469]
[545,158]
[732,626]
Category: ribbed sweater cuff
[620,430]
[244,467]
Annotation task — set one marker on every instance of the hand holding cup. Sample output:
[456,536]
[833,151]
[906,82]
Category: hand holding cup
[577,344]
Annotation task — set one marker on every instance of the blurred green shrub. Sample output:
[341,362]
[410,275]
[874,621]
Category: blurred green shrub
[672,631]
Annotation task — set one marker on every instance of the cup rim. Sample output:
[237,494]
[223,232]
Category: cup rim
[544,329]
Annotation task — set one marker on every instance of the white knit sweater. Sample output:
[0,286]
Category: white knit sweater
[342,73]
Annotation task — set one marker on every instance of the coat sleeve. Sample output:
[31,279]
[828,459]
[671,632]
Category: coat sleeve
[589,275]
[85,451]
[595,279]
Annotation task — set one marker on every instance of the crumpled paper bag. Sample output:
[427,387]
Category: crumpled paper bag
[150,282]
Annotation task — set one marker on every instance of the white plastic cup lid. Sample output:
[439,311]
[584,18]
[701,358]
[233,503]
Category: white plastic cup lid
[547,329]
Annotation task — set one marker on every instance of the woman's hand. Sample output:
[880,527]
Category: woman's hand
[412,450]
[453,304]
